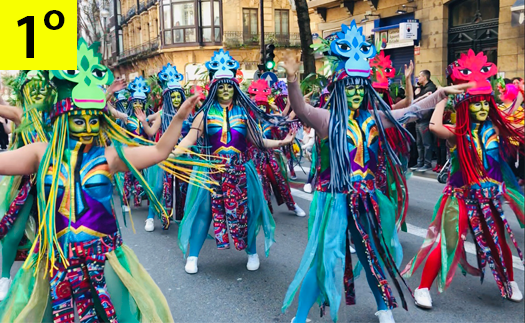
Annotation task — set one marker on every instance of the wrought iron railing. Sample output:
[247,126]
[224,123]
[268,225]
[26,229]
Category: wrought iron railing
[151,3]
[141,50]
[142,6]
[235,39]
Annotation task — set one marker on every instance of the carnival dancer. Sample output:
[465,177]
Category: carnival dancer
[163,183]
[237,205]
[78,265]
[355,161]
[478,182]
[270,165]
[138,94]
[281,101]
[18,193]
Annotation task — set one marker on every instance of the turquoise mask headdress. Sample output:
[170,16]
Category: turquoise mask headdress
[353,52]
[169,78]
[138,89]
[222,66]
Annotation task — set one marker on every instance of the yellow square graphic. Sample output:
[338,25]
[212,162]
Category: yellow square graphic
[55,46]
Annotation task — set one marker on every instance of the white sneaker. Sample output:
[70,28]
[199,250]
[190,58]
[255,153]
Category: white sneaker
[5,283]
[422,297]
[150,225]
[125,208]
[299,211]
[307,320]
[516,293]
[191,265]
[253,262]
[385,316]
[352,250]
[307,188]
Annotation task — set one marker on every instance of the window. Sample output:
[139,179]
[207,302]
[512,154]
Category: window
[469,11]
[183,25]
[281,22]
[249,25]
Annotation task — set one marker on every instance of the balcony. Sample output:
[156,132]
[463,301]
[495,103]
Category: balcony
[142,6]
[140,51]
[151,3]
[131,12]
[239,39]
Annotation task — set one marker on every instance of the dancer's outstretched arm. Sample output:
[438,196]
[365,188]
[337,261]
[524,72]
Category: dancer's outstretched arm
[412,112]
[409,91]
[146,156]
[22,161]
[11,113]
[316,118]
[436,122]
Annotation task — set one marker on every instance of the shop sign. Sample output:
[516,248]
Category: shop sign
[408,30]
[417,50]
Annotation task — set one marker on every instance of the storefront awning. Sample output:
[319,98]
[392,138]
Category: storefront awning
[518,16]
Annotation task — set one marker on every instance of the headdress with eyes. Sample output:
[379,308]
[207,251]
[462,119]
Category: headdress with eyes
[138,90]
[382,70]
[80,89]
[260,91]
[169,80]
[121,97]
[222,66]
[473,68]
[353,52]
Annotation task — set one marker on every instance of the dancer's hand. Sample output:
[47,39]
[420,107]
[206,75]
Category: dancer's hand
[186,108]
[291,64]
[289,138]
[140,115]
[409,69]
[116,86]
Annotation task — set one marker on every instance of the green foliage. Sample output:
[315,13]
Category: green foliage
[14,84]
[155,96]
[314,82]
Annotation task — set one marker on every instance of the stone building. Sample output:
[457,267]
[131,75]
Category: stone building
[446,28]
[151,33]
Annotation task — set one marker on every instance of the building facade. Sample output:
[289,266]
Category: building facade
[148,34]
[446,28]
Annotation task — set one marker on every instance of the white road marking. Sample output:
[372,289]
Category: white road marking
[417,231]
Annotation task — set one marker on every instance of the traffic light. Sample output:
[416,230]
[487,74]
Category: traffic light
[269,62]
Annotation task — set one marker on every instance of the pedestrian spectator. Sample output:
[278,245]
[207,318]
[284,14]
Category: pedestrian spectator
[307,142]
[424,138]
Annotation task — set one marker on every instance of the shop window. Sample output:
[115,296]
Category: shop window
[473,11]
[184,23]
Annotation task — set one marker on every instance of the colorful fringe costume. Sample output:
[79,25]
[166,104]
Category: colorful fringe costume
[270,165]
[236,204]
[478,182]
[18,214]
[78,262]
[358,195]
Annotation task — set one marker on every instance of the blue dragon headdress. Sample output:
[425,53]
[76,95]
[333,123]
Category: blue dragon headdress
[352,51]
[138,89]
[222,66]
[169,78]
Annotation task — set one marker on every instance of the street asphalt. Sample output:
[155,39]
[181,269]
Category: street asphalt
[225,291]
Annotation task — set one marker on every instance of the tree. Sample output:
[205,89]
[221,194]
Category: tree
[303,20]
[93,23]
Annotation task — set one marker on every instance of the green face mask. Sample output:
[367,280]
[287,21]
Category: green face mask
[84,128]
[479,111]
[176,99]
[225,92]
[354,96]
